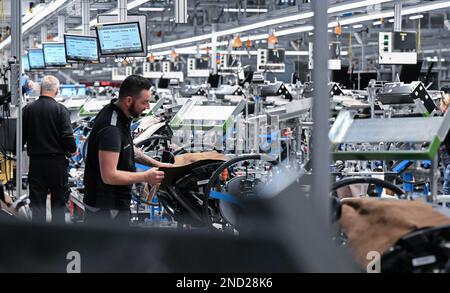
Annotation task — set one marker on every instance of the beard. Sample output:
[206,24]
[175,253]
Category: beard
[133,111]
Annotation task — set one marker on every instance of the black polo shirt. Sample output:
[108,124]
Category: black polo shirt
[110,132]
[46,129]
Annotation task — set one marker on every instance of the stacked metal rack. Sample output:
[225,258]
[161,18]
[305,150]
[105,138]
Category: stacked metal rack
[385,139]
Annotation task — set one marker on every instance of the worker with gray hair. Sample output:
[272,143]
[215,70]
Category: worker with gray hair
[48,134]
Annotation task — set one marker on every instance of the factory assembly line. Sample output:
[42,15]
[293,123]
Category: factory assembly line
[240,136]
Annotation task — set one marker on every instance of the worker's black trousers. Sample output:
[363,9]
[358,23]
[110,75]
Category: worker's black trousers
[107,217]
[48,174]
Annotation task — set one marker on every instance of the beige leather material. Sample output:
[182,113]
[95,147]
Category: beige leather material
[189,158]
[376,225]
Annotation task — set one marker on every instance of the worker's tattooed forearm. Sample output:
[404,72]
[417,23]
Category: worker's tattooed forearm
[142,158]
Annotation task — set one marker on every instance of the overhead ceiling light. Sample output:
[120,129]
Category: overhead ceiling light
[130,6]
[275,21]
[354,5]
[378,22]
[390,13]
[426,7]
[252,52]
[296,53]
[391,20]
[50,8]
[358,26]
[255,10]
[256,37]
[153,9]
[419,16]
[294,30]
[38,8]
[346,21]
[240,52]
[360,19]
[265,23]
[136,3]
[192,50]
[435,50]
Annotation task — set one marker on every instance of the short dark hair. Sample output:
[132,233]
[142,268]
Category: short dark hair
[133,85]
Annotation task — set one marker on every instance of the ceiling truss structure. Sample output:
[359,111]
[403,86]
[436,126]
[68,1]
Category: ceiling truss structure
[226,14]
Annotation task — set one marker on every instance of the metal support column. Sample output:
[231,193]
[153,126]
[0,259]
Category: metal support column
[162,26]
[44,33]
[245,9]
[227,15]
[397,28]
[321,108]
[433,180]
[180,11]
[195,20]
[61,27]
[122,7]
[398,16]
[4,58]
[205,20]
[239,12]
[85,17]
[439,65]
[213,48]
[16,89]
[363,53]
[30,41]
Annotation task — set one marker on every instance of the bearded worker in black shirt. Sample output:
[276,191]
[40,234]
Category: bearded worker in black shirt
[110,161]
[48,134]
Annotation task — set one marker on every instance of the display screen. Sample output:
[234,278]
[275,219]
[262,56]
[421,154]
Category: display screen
[405,42]
[411,72]
[163,83]
[201,63]
[54,54]
[119,38]
[81,48]
[275,56]
[141,18]
[73,90]
[175,66]
[214,80]
[155,67]
[25,63]
[36,59]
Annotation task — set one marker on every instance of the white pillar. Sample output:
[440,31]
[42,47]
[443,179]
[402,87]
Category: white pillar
[122,8]
[61,27]
[16,89]
[85,17]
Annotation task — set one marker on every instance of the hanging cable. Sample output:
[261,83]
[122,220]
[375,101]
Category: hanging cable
[298,56]
[419,36]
